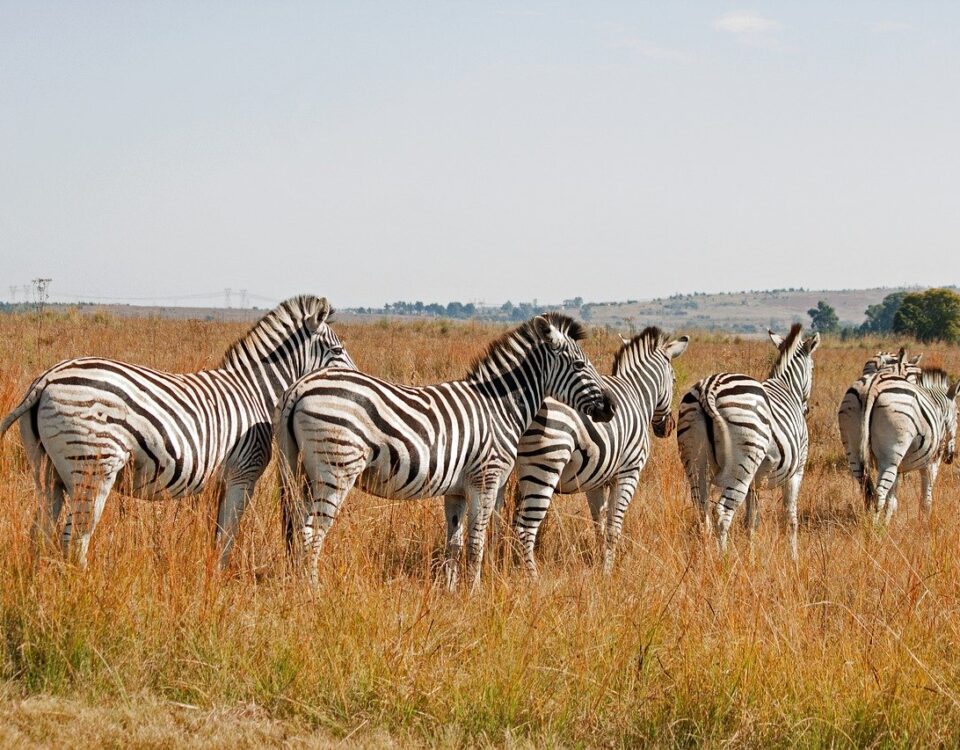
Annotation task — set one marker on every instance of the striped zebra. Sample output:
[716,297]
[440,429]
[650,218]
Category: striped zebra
[563,452]
[748,432]
[850,412]
[86,421]
[908,427]
[459,439]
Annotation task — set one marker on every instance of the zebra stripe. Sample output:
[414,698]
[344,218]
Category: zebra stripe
[747,432]
[850,412]
[86,420]
[458,439]
[908,427]
[562,452]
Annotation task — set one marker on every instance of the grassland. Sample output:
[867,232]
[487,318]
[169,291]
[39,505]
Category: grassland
[858,645]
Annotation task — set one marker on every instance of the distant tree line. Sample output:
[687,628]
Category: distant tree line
[931,315]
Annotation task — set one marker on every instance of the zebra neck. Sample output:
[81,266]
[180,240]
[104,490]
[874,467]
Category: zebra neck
[266,377]
[515,394]
[789,382]
[647,384]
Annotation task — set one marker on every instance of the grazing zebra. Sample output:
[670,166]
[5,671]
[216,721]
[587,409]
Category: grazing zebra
[908,427]
[748,432]
[85,420]
[459,439]
[850,413]
[563,452]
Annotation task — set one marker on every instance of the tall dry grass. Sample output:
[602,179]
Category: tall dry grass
[857,645]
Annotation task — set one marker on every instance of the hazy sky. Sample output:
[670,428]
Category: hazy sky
[477,150]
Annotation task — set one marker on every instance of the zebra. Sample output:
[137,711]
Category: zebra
[850,412]
[747,432]
[337,428]
[563,452]
[86,421]
[908,426]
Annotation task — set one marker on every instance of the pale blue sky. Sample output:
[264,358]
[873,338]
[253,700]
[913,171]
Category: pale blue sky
[477,150]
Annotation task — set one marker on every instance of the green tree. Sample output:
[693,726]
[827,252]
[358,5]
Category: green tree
[933,315]
[880,316]
[824,318]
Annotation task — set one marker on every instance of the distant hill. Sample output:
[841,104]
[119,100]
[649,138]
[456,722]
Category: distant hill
[741,312]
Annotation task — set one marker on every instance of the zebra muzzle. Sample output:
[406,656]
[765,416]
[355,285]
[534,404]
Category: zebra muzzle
[602,410]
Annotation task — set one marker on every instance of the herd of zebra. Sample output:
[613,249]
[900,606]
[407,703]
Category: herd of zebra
[532,402]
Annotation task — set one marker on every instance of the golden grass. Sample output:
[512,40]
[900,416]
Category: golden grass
[857,645]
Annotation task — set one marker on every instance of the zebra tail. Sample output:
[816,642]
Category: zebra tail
[865,453]
[29,401]
[721,432]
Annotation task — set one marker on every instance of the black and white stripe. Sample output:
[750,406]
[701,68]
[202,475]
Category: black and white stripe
[562,452]
[908,427]
[850,412]
[85,422]
[459,439]
[748,433]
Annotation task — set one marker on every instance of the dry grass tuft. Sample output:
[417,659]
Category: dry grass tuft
[858,645]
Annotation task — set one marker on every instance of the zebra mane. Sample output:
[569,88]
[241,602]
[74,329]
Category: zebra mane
[526,332]
[649,339]
[288,315]
[788,348]
[934,379]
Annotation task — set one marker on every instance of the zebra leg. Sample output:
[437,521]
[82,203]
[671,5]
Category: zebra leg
[928,476]
[535,492]
[730,500]
[886,491]
[620,498]
[328,490]
[695,465]
[791,491]
[88,496]
[233,502]
[454,508]
[892,499]
[751,516]
[481,504]
[52,493]
[597,500]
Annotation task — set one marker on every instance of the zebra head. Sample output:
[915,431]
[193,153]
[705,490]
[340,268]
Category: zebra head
[569,376]
[646,360]
[324,347]
[794,365]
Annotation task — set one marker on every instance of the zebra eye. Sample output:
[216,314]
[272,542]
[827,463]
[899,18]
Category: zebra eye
[337,350]
[579,364]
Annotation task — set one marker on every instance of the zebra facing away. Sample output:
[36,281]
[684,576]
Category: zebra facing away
[850,412]
[747,433]
[908,427]
[459,439]
[563,452]
[86,421]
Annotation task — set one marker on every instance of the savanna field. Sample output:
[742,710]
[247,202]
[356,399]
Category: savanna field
[857,645]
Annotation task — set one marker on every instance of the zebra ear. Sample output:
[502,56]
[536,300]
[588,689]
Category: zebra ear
[813,342]
[954,389]
[548,332]
[776,338]
[623,339]
[320,316]
[675,348]
[916,360]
